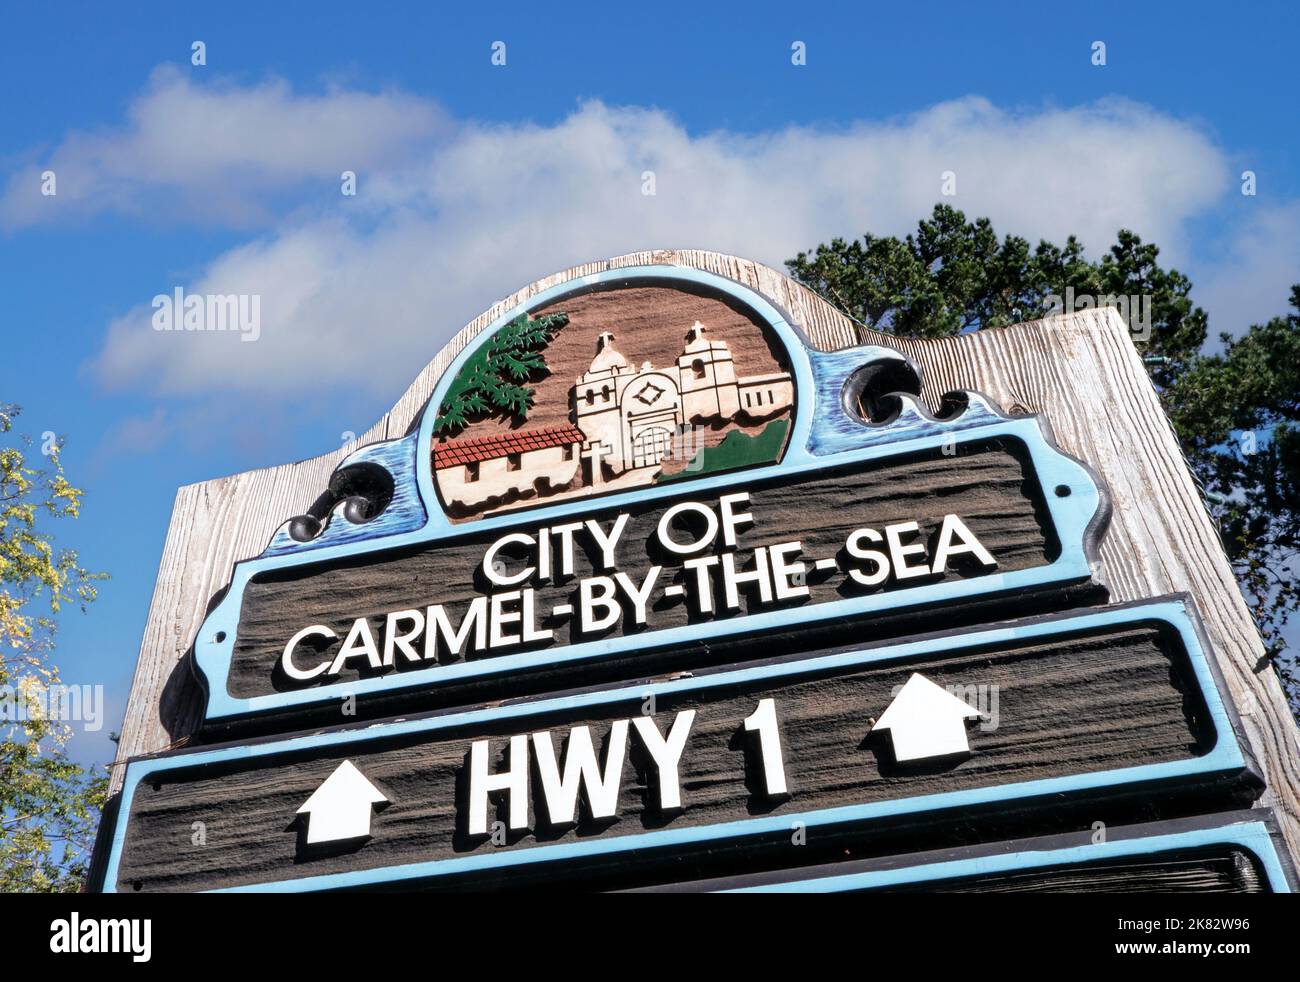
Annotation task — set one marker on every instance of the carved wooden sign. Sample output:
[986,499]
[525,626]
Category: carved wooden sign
[651,590]
[637,466]
[1089,708]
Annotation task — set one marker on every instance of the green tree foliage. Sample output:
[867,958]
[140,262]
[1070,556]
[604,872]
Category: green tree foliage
[493,381]
[1235,412]
[49,806]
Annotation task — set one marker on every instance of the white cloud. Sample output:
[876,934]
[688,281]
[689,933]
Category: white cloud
[1252,283]
[362,292]
[215,152]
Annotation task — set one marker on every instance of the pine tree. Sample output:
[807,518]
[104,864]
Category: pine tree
[493,380]
[1237,413]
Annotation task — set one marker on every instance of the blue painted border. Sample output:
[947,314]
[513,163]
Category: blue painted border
[1225,756]
[1251,836]
[824,434]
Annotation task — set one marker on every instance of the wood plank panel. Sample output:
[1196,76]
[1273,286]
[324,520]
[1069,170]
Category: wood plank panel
[1216,871]
[991,488]
[1071,700]
[1229,853]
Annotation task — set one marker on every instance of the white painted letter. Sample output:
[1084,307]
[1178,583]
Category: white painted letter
[360,641]
[686,549]
[581,770]
[731,579]
[513,781]
[666,753]
[589,601]
[439,625]
[730,518]
[608,542]
[763,722]
[286,661]
[640,598]
[855,549]
[402,642]
[954,527]
[490,564]
[899,552]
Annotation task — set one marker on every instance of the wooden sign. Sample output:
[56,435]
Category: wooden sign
[646,462]
[1092,706]
[1235,852]
[665,572]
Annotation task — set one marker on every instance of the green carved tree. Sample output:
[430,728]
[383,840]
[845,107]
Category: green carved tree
[494,381]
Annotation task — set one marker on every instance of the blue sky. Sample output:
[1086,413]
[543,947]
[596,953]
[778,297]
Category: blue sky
[475,179]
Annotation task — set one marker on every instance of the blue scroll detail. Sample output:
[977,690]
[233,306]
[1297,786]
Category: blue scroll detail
[404,512]
[837,425]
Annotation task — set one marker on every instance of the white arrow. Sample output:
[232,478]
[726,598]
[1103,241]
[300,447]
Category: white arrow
[340,808]
[925,720]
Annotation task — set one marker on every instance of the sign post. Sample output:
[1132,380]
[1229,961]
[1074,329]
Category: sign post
[664,571]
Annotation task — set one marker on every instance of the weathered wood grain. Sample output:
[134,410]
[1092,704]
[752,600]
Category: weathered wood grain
[1202,854]
[1219,871]
[1081,370]
[1078,704]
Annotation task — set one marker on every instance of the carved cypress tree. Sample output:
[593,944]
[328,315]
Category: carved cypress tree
[493,381]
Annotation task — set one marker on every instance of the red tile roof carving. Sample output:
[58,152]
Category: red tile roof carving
[455,453]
